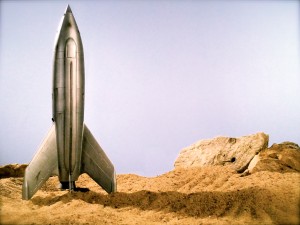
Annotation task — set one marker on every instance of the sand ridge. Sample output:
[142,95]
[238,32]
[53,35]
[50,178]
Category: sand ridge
[207,195]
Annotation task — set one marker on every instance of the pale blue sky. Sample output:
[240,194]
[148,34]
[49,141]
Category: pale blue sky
[160,75]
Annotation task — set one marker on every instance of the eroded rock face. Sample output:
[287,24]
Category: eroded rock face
[237,152]
[12,170]
[284,157]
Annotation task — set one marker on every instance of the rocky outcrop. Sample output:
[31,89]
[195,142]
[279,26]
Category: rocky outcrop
[12,170]
[284,157]
[236,152]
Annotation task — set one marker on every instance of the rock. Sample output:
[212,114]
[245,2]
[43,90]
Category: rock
[284,157]
[17,170]
[236,152]
[12,170]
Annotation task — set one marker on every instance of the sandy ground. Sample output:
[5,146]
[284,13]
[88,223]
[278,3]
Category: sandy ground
[209,195]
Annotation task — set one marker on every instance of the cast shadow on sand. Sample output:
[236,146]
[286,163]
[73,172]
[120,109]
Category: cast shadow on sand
[248,202]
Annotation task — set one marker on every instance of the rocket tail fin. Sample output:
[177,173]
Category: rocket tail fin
[96,164]
[41,166]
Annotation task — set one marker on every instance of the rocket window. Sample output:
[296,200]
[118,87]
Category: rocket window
[70,49]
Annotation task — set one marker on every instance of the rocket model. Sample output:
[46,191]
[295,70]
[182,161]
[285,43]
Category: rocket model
[69,146]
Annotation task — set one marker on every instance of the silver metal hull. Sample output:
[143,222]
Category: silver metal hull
[68,97]
[69,146]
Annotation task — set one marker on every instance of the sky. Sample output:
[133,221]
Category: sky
[160,75]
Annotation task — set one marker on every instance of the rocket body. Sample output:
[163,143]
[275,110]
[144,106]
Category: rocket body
[69,147]
[68,97]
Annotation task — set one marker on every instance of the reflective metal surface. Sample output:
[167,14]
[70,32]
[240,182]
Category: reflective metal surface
[69,146]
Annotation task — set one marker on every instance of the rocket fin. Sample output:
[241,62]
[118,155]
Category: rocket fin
[41,166]
[96,164]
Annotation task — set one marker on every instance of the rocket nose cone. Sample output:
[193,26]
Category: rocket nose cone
[68,10]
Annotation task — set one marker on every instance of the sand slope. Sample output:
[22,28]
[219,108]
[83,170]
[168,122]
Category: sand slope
[209,195]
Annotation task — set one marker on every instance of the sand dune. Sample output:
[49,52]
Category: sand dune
[207,195]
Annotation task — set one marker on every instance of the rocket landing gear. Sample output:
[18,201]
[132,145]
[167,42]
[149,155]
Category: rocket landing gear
[65,185]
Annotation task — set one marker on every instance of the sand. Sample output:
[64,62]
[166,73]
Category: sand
[208,195]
